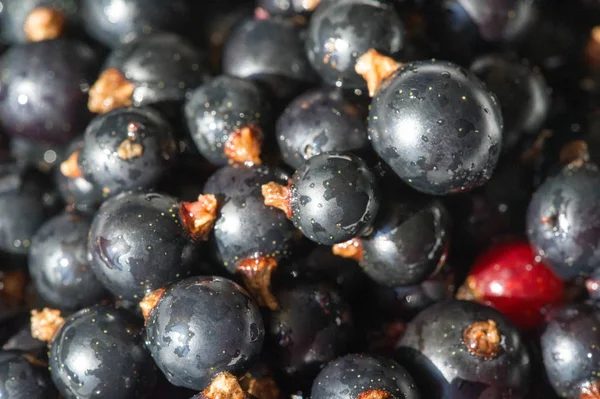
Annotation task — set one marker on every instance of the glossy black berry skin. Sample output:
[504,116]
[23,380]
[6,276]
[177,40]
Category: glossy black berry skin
[521,92]
[114,22]
[286,8]
[434,351]
[437,127]
[493,21]
[409,240]
[334,197]
[320,120]
[43,89]
[164,67]
[570,345]
[103,162]
[19,378]
[39,154]
[340,32]
[563,221]
[99,351]
[250,52]
[203,326]
[312,327]
[138,243]
[15,13]
[58,262]
[26,202]
[352,375]
[245,226]
[78,191]
[222,106]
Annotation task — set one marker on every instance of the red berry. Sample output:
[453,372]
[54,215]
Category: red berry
[512,279]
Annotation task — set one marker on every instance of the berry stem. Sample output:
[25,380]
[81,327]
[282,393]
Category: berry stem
[224,386]
[263,388]
[244,145]
[590,390]
[13,285]
[112,90]
[483,339]
[574,153]
[70,167]
[468,291]
[44,23]
[375,394]
[149,302]
[592,49]
[256,273]
[199,216]
[45,324]
[310,5]
[374,67]
[351,249]
[277,196]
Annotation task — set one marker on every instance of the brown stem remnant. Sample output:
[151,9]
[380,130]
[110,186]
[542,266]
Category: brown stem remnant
[45,324]
[277,196]
[351,249]
[44,23]
[244,145]
[590,390]
[468,291]
[70,167]
[199,216]
[375,67]
[12,287]
[592,49]
[224,386]
[533,153]
[261,388]
[261,14]
[575,153]
[482,338]
[375,394]
[310,5]
[112,90]
[149,302]
[256,273]
[129,149]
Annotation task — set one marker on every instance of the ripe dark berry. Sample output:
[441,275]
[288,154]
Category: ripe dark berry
[114,22]
[332,198]
[43,90]
[320,121]
[249,237]
[435,124]
[77,191]
[95,352]
[563,220]
[510,278]
[200,328]
[226,118]
[141,242]
[26,203]
[408,242]
[340,32]
[464,349]
[280,64]
[125,149]
[570,347]
[22,376]
[312,327]
[157,70]
[287,8]
[36,20]
[364,377]
[58,262]
[521,91]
